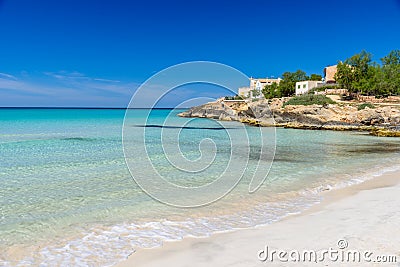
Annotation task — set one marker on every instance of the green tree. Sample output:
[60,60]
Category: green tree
[271,91]
[393,58]
[360,62]
[390,73]
[315,77]
[288,82]
[286,86]
[359,74]
[374,85]
[354,73]
[344,76]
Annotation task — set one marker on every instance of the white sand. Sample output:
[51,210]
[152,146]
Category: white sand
[367,216]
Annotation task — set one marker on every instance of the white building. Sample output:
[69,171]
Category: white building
[259,84]
[305,86]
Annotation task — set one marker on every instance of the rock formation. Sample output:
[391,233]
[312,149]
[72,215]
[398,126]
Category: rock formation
[381,121]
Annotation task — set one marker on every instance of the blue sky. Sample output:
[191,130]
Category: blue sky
[96,53]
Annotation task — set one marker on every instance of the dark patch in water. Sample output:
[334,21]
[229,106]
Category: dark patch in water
[290,160]
[78,139]
[374,149]
[376,144]
[182,127]
[255,154]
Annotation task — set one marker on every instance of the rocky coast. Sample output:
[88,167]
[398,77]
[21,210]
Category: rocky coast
[379,121]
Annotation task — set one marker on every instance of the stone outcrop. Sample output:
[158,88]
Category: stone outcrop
[382,121]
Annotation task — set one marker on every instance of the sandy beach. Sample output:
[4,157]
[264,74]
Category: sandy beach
[363,218]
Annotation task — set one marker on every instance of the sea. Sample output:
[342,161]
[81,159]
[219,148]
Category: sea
[71,180]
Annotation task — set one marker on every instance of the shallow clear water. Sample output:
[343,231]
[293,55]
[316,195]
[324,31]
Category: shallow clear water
[67,197]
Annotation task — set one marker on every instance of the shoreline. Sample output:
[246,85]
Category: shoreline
[240,247]
[378,121]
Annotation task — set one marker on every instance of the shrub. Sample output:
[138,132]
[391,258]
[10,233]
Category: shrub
[364,105]
[236,97]
[309,99]
[324,87]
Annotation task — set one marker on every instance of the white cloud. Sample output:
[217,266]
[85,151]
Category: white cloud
[7,76]
[64,75]
[106,80]
[75,75]
[64,87]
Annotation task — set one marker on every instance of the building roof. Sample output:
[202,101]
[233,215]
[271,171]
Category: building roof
[264,80]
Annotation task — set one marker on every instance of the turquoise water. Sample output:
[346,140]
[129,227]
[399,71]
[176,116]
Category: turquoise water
[67,197]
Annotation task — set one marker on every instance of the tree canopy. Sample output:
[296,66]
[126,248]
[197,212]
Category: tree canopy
[286,86]
[359,74]
[315,77]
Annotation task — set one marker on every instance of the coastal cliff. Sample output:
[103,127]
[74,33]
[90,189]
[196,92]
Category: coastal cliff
[380,121]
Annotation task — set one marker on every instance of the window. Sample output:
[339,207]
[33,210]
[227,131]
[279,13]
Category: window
[304,85]
[298,86]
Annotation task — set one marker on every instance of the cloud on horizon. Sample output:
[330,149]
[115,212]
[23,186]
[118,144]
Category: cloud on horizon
[7,76]
[63,89]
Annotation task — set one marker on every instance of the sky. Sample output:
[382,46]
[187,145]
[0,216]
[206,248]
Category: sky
[86,53]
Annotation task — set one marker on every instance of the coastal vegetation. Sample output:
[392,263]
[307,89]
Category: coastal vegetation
[324,87]
[287,85]
[360,75]
[309,99]
[236,97]
[365,105]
